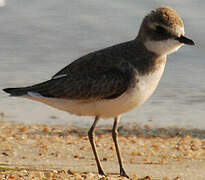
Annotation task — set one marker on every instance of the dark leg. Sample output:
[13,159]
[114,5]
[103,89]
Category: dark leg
[115,139]
[91,136]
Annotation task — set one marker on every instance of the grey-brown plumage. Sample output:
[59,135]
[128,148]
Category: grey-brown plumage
[104,74]
[114,80]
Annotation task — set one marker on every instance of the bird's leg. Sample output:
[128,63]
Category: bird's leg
[91,136]
[115,139]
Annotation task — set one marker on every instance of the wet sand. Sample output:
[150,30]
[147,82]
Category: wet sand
[64,152]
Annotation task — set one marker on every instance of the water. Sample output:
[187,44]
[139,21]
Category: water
[38,38]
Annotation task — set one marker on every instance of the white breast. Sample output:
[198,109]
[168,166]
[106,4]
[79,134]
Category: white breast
[148,83]
[132,98]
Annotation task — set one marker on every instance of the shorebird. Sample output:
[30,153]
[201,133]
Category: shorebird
[112,81]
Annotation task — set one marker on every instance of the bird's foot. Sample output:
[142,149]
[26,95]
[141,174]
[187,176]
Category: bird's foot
[123,173]
[101,172]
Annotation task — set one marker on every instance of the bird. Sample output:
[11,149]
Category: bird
[112,81]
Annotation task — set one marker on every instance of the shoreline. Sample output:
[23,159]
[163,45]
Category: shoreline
[53,150]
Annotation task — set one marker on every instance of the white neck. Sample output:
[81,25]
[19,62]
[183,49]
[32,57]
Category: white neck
[163,47]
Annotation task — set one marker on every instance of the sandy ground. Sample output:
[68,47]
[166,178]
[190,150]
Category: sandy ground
[64,152]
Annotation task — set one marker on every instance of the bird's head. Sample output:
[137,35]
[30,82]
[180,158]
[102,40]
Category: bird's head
[162,31]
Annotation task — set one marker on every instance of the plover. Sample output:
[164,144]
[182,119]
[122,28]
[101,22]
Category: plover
[114,80]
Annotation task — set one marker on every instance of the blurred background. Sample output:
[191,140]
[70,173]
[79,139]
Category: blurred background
[38,38]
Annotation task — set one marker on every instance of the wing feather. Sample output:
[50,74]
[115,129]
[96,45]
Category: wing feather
[108,84]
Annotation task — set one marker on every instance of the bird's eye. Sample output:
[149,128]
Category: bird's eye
[160,30]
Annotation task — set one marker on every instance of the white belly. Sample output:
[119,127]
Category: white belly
[132,98]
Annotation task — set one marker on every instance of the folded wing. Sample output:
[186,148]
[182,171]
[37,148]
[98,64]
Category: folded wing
[104,84]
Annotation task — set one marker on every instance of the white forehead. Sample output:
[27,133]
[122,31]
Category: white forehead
[178,29]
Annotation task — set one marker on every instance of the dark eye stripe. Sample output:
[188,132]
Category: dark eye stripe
[160,30]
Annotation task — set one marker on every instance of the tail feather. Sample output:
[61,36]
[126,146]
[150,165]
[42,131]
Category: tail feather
[42,89]
[16,91]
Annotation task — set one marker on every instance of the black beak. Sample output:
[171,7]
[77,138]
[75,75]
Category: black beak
[183,39]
